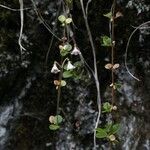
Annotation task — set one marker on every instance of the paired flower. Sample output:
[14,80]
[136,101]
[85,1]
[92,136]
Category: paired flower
[75,51]
[70,66]
[55,69]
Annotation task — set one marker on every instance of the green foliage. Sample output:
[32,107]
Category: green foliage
[117,85]
[106,41]
[67,74]
[101,133]
[58,119]
[63,83]
[68,20]
[54,127]
[107,107]
[55,122]
[64,21]
[64,50]
[108,131]
[62,18]
[108,15]
[76,73]
[114,128]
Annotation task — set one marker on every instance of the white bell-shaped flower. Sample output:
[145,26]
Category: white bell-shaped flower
[75,51]
[70,66]
[55,69]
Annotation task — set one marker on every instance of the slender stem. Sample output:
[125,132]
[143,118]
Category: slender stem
[95,70]
[59,91]
[127,47]
[13,9]
[59,86]
[52,39]
[43,21]
[113,49]
[21,27]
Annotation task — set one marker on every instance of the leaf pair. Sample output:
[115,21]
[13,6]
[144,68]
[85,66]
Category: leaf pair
[64,50]
[64,20]
[58,83]
[111,66]
[55,121]
[107,107]
[106,41]
[108,132]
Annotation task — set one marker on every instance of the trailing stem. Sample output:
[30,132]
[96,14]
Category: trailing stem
[52,39]
[112,48]
[13,9]
[127,47]
[21,27]
[59,87]
[43,21]
[95,70]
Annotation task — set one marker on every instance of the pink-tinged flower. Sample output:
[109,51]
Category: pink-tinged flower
[75,51]
[70,66]
[55,69]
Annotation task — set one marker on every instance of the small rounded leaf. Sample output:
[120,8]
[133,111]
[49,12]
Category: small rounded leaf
[118,14]
[63,83]
[68,20]
[54,127]
[56,82]
[116,66]
[67,74]
[58,119]
[108,66]
[61,18]
[51,119]
[67,47]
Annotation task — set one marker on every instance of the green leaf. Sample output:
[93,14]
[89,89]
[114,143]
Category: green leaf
[58,119]
[69,1]
[64,53]
[62,18]
[107,107]
[108,127]
[67,74]
[78,64]
[106,41]
[68,20]
[115,128]
[108,15]
[101,133]
[54,127]
[63,83]
[67,47]
[118,85]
